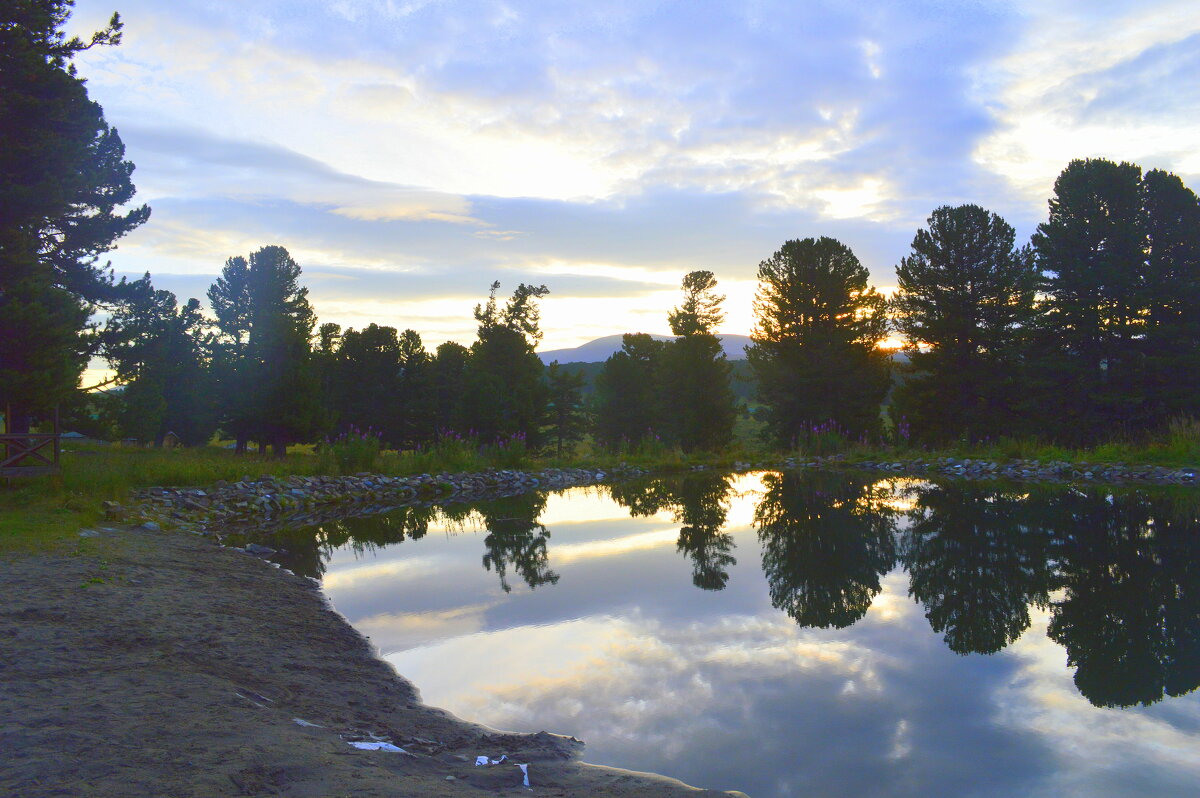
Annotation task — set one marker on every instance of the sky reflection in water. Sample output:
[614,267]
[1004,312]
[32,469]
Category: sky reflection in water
[805,634]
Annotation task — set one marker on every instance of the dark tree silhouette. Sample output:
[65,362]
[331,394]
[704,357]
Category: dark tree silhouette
[63,179]
[628,395]
[447,384]
[977,559]
[1130,615]
[505,395]
[1171,215]
[566,419]
[826,541]
[269,385]
[516,539]
[694,373]
[817,329]
[1092,253]
[161,356]
[964,305]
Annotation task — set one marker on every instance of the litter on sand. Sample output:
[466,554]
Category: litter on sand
[378,746]
[483,760]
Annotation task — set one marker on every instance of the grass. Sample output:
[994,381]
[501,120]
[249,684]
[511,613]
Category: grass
[39,513]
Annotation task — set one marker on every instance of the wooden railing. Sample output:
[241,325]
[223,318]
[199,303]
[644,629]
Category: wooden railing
[29,454]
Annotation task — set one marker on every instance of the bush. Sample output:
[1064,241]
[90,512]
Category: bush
[354,451]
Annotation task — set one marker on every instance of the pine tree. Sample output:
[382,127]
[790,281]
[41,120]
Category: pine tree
[964,305]
[694,374]
[815,352]
[505,396]
[628,394]
[63,178]
[1171,218]
[269,386]
[160,353]
[565,415]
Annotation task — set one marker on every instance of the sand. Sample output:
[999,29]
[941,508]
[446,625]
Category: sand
[142,663]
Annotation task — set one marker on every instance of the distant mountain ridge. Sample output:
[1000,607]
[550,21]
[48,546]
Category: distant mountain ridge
[602,349]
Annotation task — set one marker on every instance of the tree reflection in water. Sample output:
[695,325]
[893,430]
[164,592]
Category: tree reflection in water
[1130,614]
[977,559]
[1119,571]
[826,540]
[516,538]
[700,503]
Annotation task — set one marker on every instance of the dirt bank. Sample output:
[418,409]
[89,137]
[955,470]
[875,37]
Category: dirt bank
[157,664]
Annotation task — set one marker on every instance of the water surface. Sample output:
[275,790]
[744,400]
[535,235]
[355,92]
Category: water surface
[804,634]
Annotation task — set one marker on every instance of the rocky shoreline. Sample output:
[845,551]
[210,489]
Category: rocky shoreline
[1015,470]
[274,502]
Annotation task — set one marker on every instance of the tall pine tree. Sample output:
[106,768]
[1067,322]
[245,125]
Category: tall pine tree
[815,353]
[964,305]
[63,180]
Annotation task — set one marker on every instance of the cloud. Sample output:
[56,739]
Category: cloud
[1107,81]
[482,139]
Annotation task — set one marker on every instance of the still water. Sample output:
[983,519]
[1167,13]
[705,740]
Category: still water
[804,634]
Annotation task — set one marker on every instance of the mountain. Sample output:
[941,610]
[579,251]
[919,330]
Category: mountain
[602,349]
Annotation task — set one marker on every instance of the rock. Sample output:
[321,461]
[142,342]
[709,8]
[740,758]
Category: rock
[258,550]
[151,526]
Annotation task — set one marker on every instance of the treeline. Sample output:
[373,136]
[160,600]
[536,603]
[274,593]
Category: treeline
[263,373]
[1091,329]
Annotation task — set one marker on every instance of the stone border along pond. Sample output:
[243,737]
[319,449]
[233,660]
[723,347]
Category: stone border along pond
[275,502]
[298,500]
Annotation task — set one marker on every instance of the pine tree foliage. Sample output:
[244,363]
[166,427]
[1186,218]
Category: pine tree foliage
[818,325]
[964,304]
[63,182]
[1120,334]
[269,383]
[160,353]
[629,400]
[504,391]
[566,417]
[700,312]
[694,373]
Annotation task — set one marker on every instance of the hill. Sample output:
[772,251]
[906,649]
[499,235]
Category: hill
[602,349]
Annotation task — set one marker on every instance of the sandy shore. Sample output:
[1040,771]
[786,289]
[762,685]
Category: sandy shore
[157,664]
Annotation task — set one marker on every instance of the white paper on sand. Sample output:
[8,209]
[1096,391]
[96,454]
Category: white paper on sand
[483,760]
[378,746]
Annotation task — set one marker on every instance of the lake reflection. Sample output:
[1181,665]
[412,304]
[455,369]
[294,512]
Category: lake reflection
[804,633]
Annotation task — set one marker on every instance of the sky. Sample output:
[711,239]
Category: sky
[408,154]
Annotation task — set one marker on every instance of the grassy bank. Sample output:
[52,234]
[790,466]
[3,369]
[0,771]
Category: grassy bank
[36,513]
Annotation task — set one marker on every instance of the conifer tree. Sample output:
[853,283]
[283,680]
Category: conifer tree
[565,415]
[161,357]
[63,180]
[628,394]
[818,325]
[964,305]
[504,393]
[1171,216]
[694,371]
[270,388]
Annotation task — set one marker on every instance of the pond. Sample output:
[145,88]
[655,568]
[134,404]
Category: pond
[804,633]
